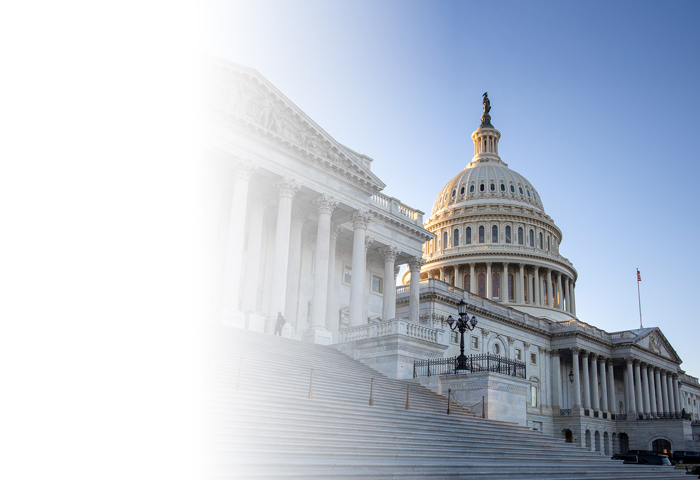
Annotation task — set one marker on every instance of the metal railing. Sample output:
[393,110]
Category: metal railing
[565,412]
[484,362]
[664,416]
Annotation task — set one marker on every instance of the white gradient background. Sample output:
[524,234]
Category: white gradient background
[96,364]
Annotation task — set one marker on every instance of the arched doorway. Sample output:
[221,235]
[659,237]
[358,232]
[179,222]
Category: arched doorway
[661,445]
[624,443]
[568,436]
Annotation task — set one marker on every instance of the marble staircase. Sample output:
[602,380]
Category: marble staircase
[259,422]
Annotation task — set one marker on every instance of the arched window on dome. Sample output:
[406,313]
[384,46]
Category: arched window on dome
[512,189]
[482,285]
[444,240]
[496,286]
[520,235]
[511,293]
[508,234]
[532,238]
[455,241]
[461,190]
[494,234]
[482,187]
[493,187]
[471,188]
[481,234]
[467,282]
[503,187]
[541,241]
[468,239]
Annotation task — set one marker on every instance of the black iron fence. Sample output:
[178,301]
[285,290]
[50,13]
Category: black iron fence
[484,362]
[664,416]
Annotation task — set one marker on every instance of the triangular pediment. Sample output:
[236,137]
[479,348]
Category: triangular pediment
[240,95]
[653,339]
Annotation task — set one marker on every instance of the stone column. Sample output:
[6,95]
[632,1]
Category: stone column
[612,401]
[560,293]
[472,278]
[504,284]
[659,394]
[536,295]
[577,377]
[631,401]
[252,268]
[332,317]
[458,277]
[442,274]
[521,284]
[317,332]
[676,394]
[664,392]
[290,303]
[568,294]
[595,397]
[414,297]
[360,221]
[645,387]
[550,289]
[489,286]
[511,348]
[231,314]
[287,187]
[638,388]
[556,379]
[546,389]
[586,380]
[573,298]
[603,385]
[390,252]
[652,390]
[671,400]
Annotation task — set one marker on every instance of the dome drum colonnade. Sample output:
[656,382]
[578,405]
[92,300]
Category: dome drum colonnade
[493,238]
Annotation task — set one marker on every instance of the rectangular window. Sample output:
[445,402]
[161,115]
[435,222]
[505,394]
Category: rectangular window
[475,343]
[377,284]
[347,275]
[518,355]
[533,358]
[453,337]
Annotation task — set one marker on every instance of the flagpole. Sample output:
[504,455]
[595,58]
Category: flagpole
[639,297]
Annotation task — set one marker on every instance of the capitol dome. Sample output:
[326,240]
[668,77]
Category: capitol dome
[493,238]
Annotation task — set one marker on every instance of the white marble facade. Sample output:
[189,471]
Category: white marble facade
[296,223]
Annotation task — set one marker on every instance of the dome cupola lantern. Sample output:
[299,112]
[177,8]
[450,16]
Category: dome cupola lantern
[486,138]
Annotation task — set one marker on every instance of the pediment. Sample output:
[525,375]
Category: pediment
[655,341]
[241,94]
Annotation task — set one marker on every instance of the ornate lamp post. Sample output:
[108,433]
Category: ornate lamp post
[462,324]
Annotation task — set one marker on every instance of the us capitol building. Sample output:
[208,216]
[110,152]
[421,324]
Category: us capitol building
[296,224]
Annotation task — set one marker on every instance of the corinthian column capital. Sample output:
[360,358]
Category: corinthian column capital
[288,187]
[244,168]
[361,218]
[390,252]
[415,263]
[325,203]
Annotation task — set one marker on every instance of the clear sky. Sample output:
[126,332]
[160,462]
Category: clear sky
[597,103]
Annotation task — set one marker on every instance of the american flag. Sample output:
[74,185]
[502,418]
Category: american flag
[639,276]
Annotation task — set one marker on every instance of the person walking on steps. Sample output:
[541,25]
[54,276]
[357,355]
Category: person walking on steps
[280,324]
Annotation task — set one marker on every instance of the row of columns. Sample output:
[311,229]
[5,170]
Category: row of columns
[287,257]
[559,285]
[605,399]
[651,390]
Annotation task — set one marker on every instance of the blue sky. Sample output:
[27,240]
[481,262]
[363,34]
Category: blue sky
[596,101]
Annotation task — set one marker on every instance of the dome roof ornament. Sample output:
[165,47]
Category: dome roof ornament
[486,118]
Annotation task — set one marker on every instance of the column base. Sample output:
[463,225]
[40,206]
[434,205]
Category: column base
[256,322]
[232,317]
[318,335]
